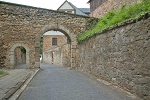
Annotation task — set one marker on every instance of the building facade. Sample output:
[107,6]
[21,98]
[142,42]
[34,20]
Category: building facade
[53,41]
[99,8]
[56,49]
[68,7]
[56,46]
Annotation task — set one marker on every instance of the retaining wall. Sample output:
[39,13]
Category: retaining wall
[120,56]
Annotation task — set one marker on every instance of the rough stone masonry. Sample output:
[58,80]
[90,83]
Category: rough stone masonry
[24,25]
[121,56]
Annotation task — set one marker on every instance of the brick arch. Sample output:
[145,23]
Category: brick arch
[66,32]
[12,54]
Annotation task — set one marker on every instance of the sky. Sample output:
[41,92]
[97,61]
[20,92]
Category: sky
[53,33]
[50,4]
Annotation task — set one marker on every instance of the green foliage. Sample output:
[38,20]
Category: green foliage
[23,50]
[1,72]
[112,18]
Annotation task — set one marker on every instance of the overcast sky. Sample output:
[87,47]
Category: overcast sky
[50,4]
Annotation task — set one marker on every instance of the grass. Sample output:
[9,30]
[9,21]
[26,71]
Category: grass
[112,18]
[1,72]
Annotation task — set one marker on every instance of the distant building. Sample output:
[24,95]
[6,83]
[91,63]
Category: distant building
[53,39]
[68,7]
[56,49]
[99,8]
[56,46]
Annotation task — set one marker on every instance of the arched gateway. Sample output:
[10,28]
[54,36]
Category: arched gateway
[62,29]
[24,25]
[12,54]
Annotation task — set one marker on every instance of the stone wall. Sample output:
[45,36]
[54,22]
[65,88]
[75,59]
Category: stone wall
[111,4]
[2,55]
[58,56]
[120,56]
[24,25]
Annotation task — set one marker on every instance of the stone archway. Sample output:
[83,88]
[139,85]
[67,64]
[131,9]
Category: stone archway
[65,31]
[33,23]
[12,54]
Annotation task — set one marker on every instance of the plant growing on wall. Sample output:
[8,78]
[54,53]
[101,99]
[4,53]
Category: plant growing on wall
[1,72]
[23,50]
[112,18]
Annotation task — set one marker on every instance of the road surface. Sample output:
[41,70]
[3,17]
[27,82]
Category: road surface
[59,83]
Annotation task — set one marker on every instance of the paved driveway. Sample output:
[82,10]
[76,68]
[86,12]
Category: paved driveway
[59,83]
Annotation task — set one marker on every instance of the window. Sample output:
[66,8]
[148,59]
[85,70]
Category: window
[54,41]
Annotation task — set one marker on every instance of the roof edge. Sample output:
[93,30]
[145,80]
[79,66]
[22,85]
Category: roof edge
[64,3]
[89,1]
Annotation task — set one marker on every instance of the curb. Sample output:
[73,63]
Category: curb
[15,92]
[14,89]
